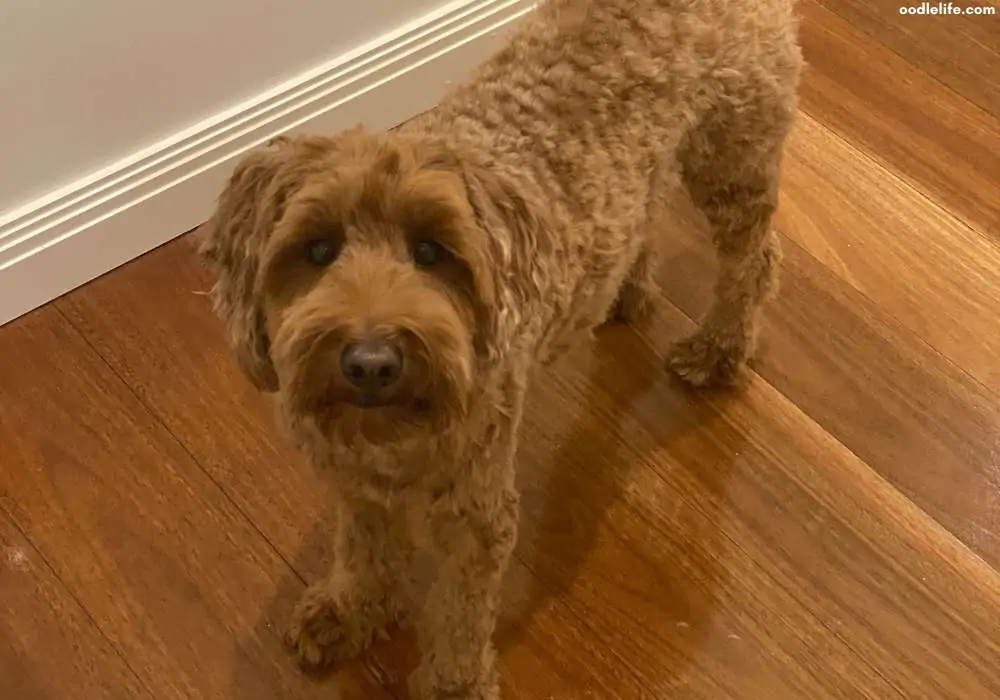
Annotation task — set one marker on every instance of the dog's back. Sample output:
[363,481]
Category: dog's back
[636,67]
[589,96]
[595,87]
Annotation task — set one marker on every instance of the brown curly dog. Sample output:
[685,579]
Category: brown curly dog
[394,291]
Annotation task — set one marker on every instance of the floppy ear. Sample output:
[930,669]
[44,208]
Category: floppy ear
[234,239]
[508,210]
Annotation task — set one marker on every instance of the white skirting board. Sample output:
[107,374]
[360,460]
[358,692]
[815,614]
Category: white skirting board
[69,237]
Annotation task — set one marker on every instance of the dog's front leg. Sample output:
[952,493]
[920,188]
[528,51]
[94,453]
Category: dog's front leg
[337,617]
[457,623]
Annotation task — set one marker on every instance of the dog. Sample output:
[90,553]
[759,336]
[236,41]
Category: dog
[395,291]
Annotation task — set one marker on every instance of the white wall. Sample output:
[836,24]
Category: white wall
[85,82]
[121,119]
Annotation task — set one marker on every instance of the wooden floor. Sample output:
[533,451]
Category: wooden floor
[833,531]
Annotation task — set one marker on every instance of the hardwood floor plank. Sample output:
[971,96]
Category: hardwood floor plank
[151,320]
[901,116]
[142,321]
[166,566]
[616,524]
[916,262]
[922,423]
[755,479]
[743,519]
[49,648]
[961,51]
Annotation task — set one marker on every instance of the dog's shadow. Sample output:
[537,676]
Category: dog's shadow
[620,537]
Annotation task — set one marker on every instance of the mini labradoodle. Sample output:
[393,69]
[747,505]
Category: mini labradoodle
[394,291]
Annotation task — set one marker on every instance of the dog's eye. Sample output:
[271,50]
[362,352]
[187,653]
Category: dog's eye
[428,253]
[321,252]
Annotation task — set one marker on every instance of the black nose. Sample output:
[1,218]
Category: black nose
[371,364]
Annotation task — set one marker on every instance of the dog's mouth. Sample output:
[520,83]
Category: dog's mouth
[369,401]
[375,401]
[373,419]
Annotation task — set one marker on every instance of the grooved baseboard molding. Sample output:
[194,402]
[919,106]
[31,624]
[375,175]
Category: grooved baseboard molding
[65,239]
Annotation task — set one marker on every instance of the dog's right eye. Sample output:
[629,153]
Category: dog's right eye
[321,252]
[428,253]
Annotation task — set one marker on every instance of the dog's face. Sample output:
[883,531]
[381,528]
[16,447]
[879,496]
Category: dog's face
[358,280]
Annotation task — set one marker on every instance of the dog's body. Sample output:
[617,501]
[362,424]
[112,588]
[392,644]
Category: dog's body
[396,290]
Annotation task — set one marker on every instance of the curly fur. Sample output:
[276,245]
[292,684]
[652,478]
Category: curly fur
[534,177]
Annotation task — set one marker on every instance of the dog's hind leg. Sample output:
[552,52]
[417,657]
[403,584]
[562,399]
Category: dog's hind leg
[731,165]
[337,618]
[638,292]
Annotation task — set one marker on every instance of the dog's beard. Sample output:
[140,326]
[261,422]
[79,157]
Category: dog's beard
[432,396]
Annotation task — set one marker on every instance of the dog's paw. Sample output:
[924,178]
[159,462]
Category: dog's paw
[427,684]
[707,359]
[482,691]
[322,633]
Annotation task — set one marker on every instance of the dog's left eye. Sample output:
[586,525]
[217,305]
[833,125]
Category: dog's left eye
[321,252]
[428,253]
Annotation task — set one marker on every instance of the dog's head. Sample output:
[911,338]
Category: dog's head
[362,276]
